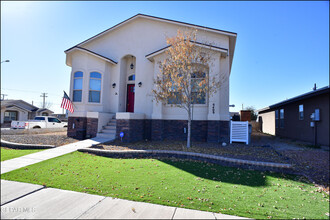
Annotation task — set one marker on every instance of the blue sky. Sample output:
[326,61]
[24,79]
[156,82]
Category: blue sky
[282,48]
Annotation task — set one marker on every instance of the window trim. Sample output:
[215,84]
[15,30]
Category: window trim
[10,119]
[301,117]
[193,104]
[89,90]
[82,85]
[282,118]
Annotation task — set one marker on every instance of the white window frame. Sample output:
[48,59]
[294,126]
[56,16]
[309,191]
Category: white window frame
[89,81]
[82,85]
[301,110]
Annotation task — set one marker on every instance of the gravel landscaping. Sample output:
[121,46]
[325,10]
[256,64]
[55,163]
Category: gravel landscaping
[57,138]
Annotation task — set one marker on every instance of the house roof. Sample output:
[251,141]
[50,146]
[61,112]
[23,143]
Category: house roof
[156,18]
[307,95]
[232,35]
[22,105]
[92,53]
[44,110]
[16,106]
[220,49]
[19,103]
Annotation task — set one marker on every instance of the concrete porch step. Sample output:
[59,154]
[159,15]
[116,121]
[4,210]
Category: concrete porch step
[106,135]
[110,131]
[109,127]
[112,123]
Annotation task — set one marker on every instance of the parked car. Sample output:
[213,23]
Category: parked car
[39,122]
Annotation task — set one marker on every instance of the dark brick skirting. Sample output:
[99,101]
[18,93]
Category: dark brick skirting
[224,161]
[91,130]
[133,129]
[158,130]
[79,129]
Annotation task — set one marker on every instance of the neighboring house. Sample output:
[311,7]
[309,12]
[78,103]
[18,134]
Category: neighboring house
[112,76]
[13,110]
[292,117]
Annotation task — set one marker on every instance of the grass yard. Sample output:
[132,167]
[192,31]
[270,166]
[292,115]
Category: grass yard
[179,183]
[8,153]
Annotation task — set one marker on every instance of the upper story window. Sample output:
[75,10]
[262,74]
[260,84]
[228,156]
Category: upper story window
[131,77]
[77,86]
[281,118]
[95,87]
[301,112]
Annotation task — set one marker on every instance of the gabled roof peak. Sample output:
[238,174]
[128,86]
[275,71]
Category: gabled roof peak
[232,34]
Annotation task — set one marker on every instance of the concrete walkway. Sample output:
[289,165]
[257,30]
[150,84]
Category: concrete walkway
[19,162]
[25,200]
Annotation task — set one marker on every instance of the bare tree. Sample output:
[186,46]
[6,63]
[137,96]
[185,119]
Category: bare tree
[47,104]
[184,75]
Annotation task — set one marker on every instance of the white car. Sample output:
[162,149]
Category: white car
[39,122]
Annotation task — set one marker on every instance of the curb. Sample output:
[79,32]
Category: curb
[226,161]
[24,146]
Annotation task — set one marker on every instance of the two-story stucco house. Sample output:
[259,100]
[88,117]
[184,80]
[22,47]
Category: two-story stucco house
[112,79]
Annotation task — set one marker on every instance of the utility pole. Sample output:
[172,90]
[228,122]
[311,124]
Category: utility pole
[43,95]
[3,96]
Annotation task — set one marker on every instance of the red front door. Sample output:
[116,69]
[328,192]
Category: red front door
[130,98]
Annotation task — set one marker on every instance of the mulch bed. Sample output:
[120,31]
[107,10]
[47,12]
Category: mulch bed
[238,151]
[313,163]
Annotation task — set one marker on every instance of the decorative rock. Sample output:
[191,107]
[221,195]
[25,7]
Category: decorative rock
[224,144]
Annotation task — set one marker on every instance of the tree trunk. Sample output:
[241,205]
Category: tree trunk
[189,128]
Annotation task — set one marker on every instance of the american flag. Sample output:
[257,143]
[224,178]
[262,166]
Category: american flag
[66,103]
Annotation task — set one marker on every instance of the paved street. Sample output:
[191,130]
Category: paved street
[24,200]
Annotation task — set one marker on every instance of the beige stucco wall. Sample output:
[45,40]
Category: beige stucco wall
[268,122]
[138,38]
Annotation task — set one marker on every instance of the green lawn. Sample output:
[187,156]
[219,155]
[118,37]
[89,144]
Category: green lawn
[179,183]
[8,153]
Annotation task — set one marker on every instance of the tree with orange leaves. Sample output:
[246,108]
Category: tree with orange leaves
[184,75]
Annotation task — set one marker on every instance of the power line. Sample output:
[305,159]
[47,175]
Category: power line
[19,90]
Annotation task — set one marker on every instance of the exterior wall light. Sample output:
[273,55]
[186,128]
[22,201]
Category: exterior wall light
[140,84]
[113,85]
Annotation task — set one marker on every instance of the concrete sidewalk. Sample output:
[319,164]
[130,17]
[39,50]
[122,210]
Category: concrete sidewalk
[16,163]
[24,200]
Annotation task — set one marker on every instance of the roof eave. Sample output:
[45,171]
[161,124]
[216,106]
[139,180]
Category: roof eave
[89,52]
[228,33]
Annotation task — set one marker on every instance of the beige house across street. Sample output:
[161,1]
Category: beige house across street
[113,74]
[19,110]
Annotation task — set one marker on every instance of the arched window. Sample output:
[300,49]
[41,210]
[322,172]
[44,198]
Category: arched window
[95,87]
[77,86]
[131,77]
